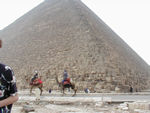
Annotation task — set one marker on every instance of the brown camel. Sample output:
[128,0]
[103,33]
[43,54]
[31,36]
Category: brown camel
[63,87]
[36,85]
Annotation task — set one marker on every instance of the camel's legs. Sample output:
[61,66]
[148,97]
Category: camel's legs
[63,91]
[31,89]
[41,90]
[74,88]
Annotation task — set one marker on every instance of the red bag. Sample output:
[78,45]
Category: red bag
[37,81]
[40,81]
[67,81]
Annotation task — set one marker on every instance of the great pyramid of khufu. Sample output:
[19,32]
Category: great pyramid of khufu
[65,34]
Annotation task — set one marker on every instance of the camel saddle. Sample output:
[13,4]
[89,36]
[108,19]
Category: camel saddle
[37,81]
[67,81]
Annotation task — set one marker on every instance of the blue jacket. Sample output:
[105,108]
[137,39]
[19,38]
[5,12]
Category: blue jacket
[65,75]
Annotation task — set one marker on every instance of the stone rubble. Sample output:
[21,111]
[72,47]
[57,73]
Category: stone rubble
[104,104]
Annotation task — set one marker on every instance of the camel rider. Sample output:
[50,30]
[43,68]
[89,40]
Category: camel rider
[66,80]
[34,77]
[65,75]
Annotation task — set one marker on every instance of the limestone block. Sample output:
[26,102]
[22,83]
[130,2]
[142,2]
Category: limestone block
[125,108]
[137,110]
[117,90]
[139,105]
[147,106]
[99,104]
[112,87]
[108,79]
[131,106]
[28,108]
[122,107]
[98,86]
[136,105]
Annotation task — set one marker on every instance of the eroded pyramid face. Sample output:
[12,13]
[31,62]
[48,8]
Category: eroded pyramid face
[65,34]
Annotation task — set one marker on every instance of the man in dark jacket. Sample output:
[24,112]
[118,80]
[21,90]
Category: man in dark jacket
[8,89]
[34,77]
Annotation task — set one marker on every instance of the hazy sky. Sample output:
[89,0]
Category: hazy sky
[130,19]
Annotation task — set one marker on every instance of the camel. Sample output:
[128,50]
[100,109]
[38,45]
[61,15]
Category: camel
[36,85]
[63,87]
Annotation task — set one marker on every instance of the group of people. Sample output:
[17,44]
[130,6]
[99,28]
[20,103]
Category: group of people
[36,80]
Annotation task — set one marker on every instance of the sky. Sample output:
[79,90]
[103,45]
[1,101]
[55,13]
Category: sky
[130,19]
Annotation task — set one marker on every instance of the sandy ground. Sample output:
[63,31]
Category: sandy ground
[66,107]
[66,104]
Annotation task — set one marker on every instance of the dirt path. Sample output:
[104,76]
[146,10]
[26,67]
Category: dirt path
[49,103]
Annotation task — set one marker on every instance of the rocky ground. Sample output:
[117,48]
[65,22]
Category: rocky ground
[58,103]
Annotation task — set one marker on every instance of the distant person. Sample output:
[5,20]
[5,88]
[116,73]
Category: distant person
[86,90]
[50,90]
[8,89]
[66,79]
[34,77]
[65,75]
[131,89]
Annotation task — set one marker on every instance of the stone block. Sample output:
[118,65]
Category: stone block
[142,106]
[147,106]
[136,105]
[99,104]
[108,79]
[117,90]
[131,106]
[139,105]
[28,108]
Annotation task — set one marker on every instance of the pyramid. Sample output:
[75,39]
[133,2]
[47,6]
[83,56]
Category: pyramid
[65,34]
